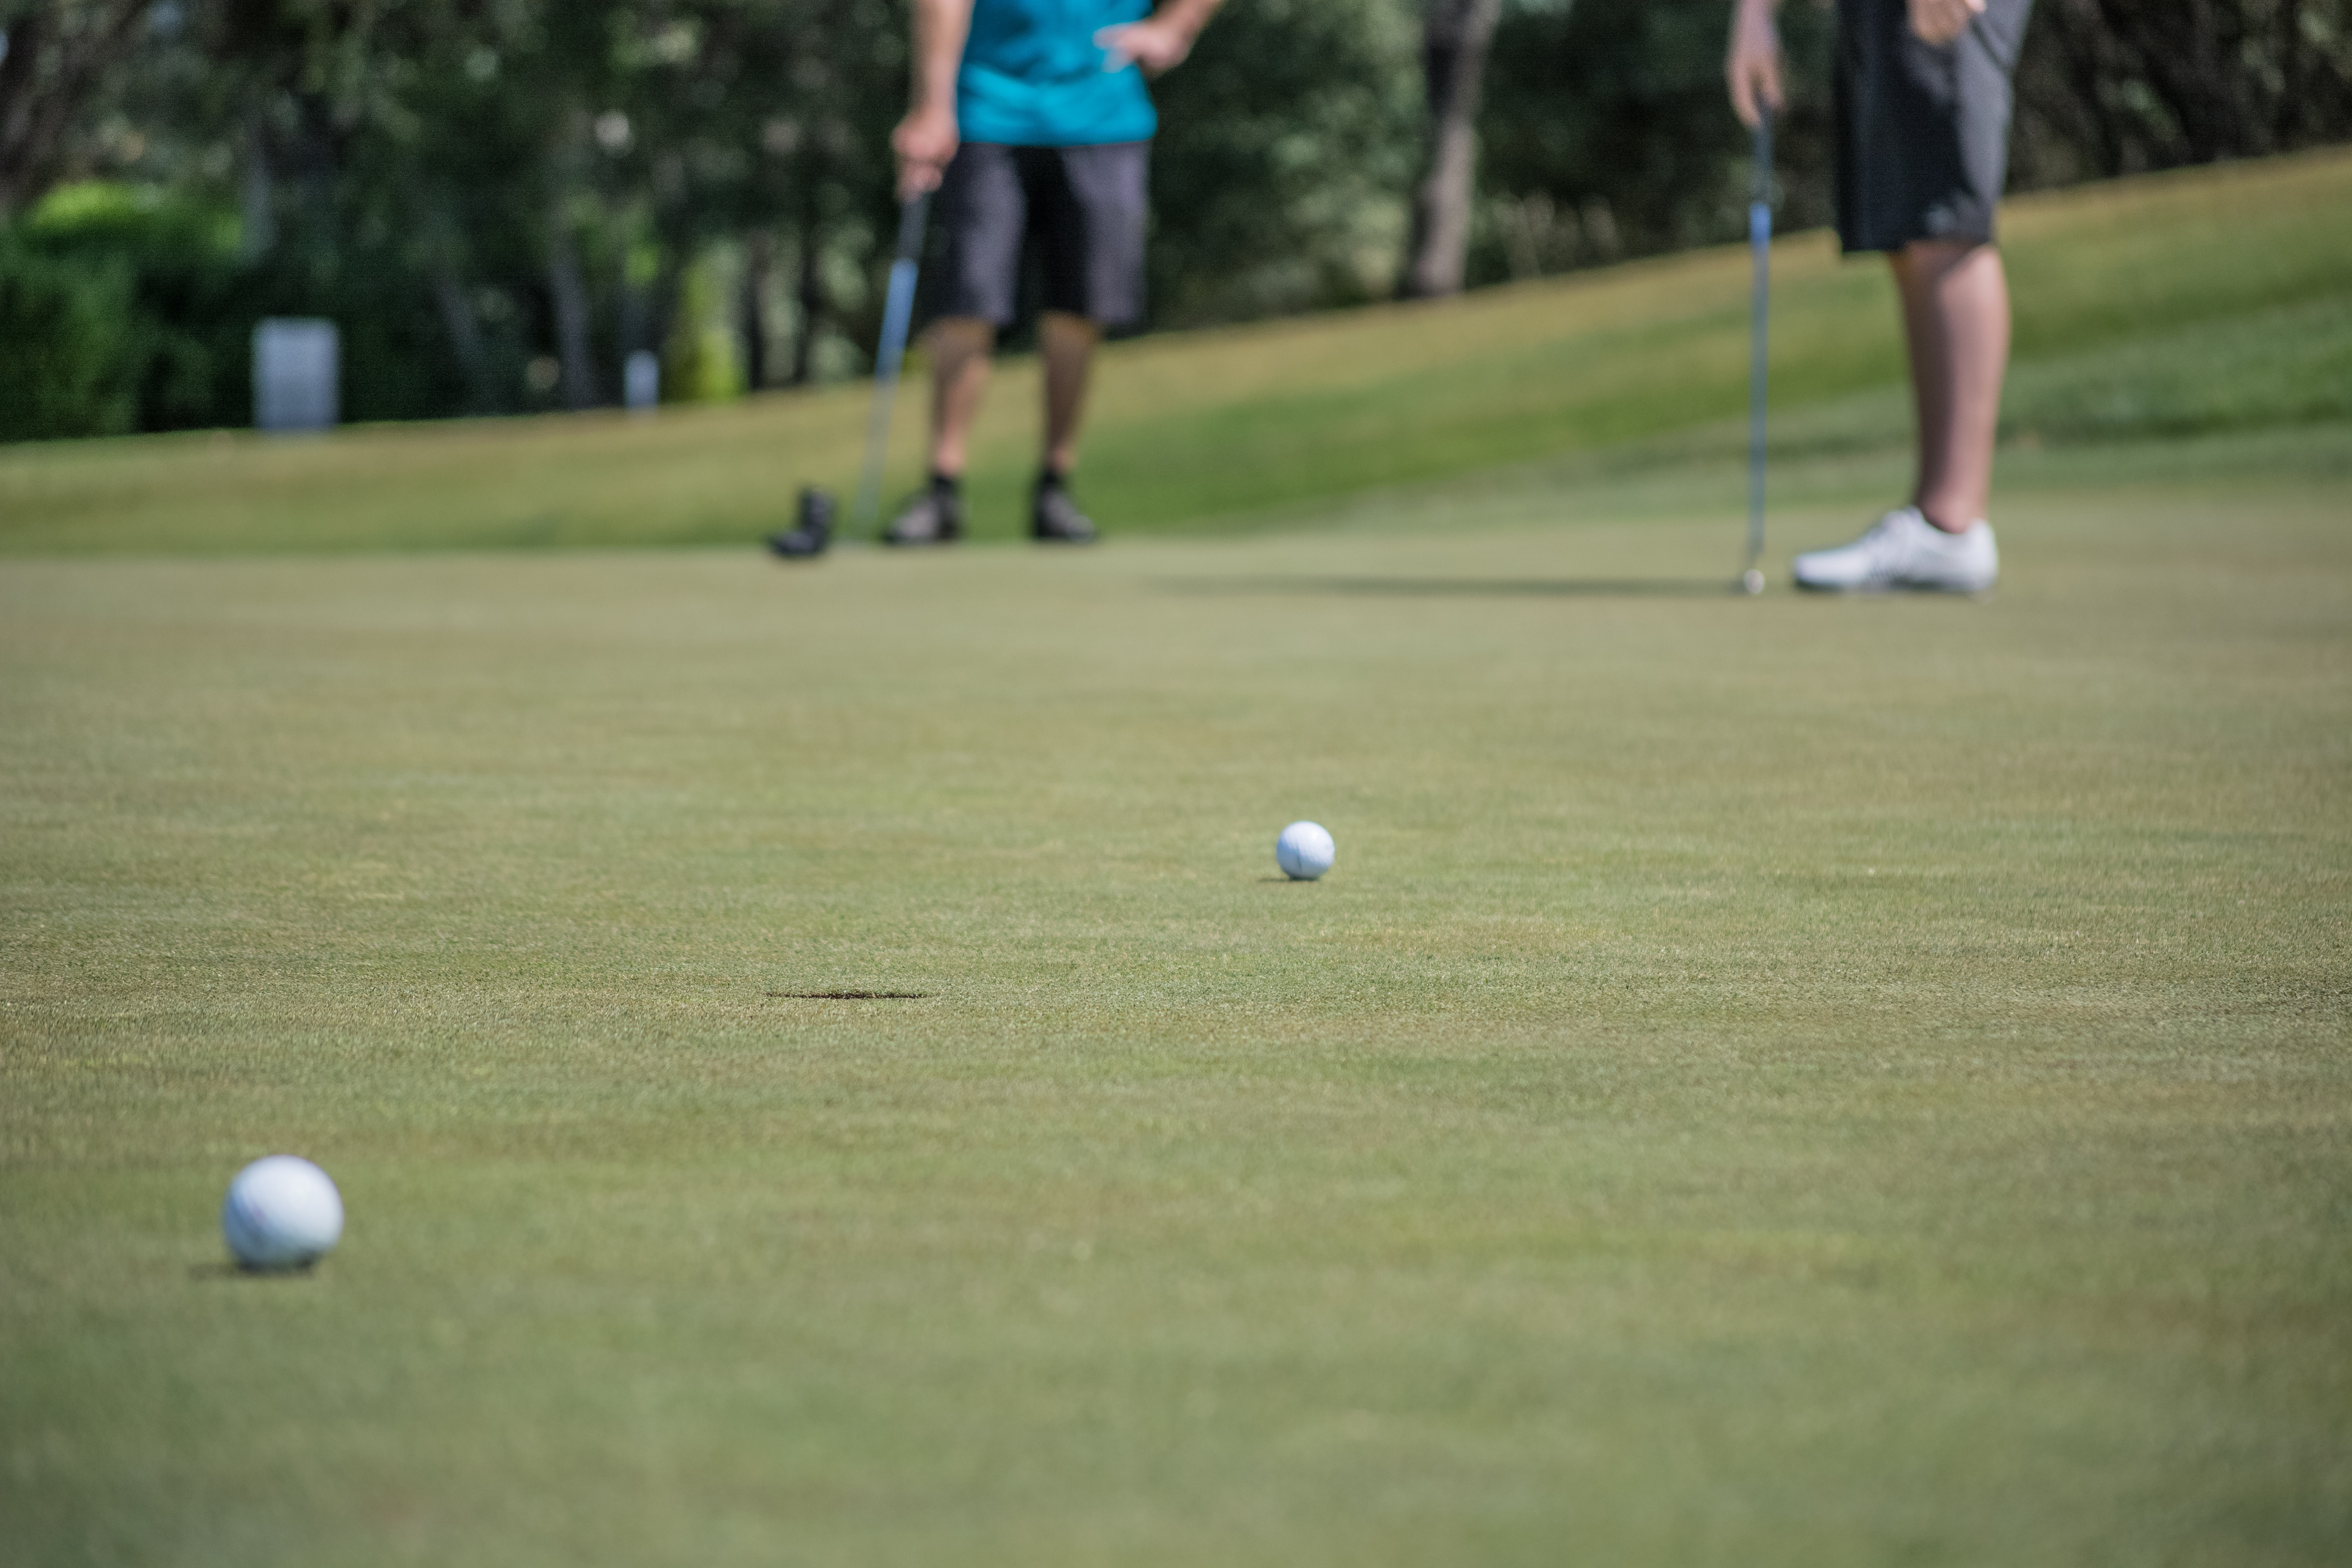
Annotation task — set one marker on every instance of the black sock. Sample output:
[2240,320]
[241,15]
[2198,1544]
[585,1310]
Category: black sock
[1051,479]
[950,484]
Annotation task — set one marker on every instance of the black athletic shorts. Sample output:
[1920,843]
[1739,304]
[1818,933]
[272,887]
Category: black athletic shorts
[1084,208]
[1923,130]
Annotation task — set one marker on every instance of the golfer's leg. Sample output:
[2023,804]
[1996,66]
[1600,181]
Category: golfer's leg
[1956,315]
[1068,342]
[981,212]
[1926,344]
[1090,204]
[960,347]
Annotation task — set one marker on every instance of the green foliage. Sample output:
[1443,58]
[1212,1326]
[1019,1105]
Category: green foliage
[2106,89]
[147,315]
[436,175]
[1605,133]
[699,363]
[67,364]
[1286,143]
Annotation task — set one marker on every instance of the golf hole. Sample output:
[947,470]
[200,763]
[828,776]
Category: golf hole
[852,995]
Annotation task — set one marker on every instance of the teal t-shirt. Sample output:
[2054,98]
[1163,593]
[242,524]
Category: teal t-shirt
[1033,76]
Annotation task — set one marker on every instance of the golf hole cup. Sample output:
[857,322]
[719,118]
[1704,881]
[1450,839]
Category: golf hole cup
[1304,851]
[281,1212]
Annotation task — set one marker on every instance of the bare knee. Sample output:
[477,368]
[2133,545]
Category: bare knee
[962,335]
[1062,329]
[1926,258]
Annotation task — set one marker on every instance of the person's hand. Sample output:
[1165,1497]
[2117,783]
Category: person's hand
[1155,44]
[1940,21]
[924,142]
[1753,65]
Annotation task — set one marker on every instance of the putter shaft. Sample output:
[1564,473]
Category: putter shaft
[897,314]
[1759,243]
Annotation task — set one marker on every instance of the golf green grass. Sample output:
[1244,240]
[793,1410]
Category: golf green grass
[2200,302]
[1768,1082]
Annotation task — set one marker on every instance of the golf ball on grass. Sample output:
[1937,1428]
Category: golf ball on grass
[1304,851]
[282,1212]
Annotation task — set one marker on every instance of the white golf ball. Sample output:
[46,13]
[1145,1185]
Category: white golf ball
[281,1213]
[1304,851]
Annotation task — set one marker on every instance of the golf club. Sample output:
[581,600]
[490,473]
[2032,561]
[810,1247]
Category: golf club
[1759,245]
[897,315]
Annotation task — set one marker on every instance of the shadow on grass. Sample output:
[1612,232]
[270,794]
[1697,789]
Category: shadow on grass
[226,1270]
[1462,588]
[851,996]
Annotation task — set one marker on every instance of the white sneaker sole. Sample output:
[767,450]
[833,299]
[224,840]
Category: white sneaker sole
[1886,589]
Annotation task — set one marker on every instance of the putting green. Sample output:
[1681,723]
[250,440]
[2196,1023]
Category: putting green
[1774,1081]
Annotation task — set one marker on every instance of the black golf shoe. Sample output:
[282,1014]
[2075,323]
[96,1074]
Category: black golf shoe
[933,517]
[1055,517]
[810,532]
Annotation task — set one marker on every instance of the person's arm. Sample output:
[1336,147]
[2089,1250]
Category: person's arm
[927,139]
[1941,21]
[1752,64]
[1160,41]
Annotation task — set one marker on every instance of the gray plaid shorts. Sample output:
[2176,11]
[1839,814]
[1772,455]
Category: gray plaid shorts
[1923,130]
[1081,208]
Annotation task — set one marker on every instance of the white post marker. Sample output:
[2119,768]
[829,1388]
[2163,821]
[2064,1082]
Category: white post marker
[1304,851]
[641,381]
[296,374]
[282,1212]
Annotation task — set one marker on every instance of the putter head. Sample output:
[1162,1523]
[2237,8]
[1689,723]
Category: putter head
[811,527]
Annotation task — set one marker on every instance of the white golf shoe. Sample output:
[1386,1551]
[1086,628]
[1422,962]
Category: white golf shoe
[1903,550]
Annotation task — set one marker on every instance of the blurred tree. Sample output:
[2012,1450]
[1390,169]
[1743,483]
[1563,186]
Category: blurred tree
[123,308]
[1607,133]
[1285,145]
[1453,42]
[500,199]
[55,59]
[66,324]
[2110,87]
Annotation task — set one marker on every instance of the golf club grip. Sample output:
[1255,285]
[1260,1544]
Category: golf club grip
[913,214]
[898,306]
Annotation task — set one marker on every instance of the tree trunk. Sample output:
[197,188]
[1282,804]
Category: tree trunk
[21,130]
[759,264]
[465,336]
[569,291]
[1453,42]
[811,292]
[2079,28]
[2288,122]
[2202,98]
[257,193]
